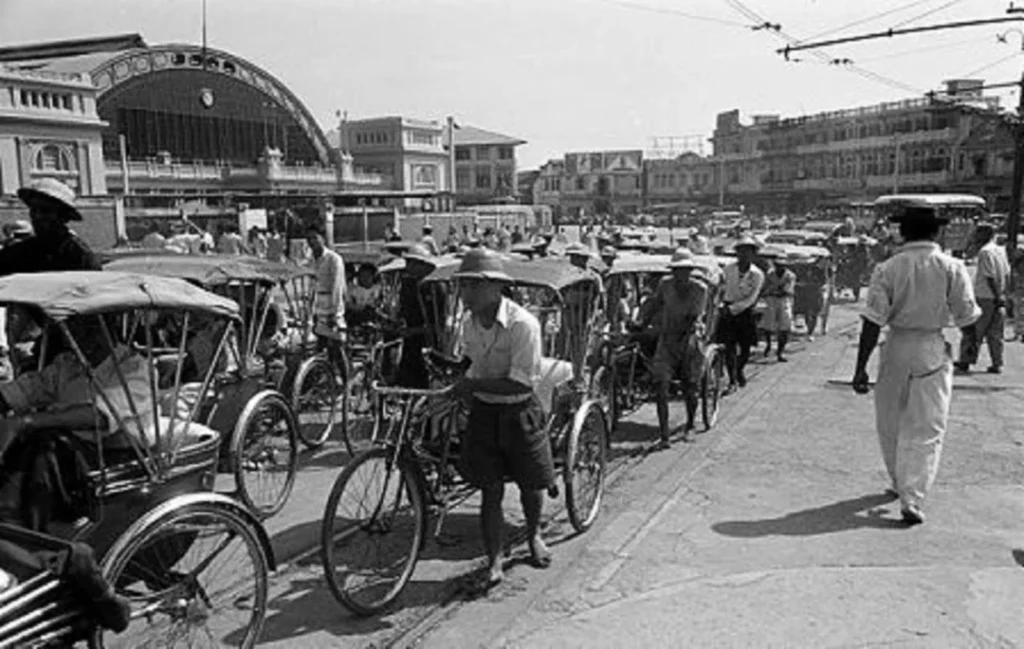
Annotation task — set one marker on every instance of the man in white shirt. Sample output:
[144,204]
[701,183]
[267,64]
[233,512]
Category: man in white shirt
[737,330]
[329,303]
[506,432]
[916,293]
[428,241]
[991,279]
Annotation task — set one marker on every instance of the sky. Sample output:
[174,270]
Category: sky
[564,75]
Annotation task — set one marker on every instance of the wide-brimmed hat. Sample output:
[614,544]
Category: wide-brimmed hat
[52,192]
[683,258]
[609,251]
[577,249]
[481,263]
[918,213]
[747,242]
[419,252]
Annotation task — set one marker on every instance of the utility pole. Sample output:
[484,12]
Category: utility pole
[1013,220]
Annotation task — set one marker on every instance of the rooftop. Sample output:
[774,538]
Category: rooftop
[472,136]
[70,48]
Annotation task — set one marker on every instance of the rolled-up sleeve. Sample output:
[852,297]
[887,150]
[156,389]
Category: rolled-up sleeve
[878,307]
[962,304]
[526,343]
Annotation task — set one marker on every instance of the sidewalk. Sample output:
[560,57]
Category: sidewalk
[775,532]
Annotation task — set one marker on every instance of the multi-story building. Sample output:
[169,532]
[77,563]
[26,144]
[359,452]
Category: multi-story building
[688,178]
[408,154]
[485,165]
[547,187]
[950,142]
[602,182]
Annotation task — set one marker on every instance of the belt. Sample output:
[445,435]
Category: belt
[502,399]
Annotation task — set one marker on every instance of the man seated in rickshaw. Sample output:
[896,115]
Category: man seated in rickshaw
[678,307]
[362,297]
[117,401]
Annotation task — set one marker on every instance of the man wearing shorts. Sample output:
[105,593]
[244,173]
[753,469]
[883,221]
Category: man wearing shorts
[678,304]
[779,290]
[737,330]
[506,433]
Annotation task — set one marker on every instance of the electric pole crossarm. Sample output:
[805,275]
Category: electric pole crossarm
[889,33]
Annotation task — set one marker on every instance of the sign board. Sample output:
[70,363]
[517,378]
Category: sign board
[248,219]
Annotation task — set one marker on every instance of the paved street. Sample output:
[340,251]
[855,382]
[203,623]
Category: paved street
[772,530]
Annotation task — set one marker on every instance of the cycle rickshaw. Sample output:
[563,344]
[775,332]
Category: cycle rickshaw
[815,284]
[413,466]
[853,263]
[624,377]
[189,561]
[284,390]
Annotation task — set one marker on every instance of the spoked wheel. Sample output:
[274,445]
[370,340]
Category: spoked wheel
[584,469]
[712,385]
[358,415]
[603,389]
[315,401]
[195,576]
[265,452]
[372,532]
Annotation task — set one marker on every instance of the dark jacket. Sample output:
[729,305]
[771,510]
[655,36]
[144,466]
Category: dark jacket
[37,255]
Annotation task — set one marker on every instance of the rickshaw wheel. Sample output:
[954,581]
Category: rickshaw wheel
[585,464]
[265,451]
[711,389]
[372,531]
[170,604]
[314,393]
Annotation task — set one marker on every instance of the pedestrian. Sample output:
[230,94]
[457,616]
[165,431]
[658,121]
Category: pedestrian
[677,307]
[329,301]
[362,296]
[608,256]
[52,246]
[991,281]
[230,242]
[505,433]
[916,293]
[517,234]
[275,246]
[579,255]
[415,308]
[257,243]
[779,291]
[737,329]
[428,241]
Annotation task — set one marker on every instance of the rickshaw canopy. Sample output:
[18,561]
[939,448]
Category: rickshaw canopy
[931,200]
[65,294]
[854,241]
[210,270]
[553,273]
[797,237]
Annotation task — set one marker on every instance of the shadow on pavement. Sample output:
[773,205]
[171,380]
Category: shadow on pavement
[837,517]
[1018,556]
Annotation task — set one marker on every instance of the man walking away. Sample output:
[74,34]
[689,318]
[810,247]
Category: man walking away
[505,432]
[736,328]
[991,278]
[779,290]
[329,303]
[678,304]
[916,293]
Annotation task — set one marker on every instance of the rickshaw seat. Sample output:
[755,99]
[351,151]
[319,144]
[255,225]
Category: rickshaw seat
[554,373]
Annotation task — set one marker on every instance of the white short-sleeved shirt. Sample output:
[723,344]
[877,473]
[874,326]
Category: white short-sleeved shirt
[921,288]
[330,286]
[992,264]
[510,349]
[742,289]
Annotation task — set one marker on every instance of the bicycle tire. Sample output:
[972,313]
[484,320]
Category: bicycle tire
[585,457]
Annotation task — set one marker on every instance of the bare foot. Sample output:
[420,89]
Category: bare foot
[540,555]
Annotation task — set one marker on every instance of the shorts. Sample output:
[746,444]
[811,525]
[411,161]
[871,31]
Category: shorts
[678,359]
[778,316]
[739,329]
[507,441]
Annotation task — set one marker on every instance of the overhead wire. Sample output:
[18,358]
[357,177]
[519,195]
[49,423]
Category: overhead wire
[927,13]
[861,21]
[752,15]
[675,12]
[987,66]
[929,48]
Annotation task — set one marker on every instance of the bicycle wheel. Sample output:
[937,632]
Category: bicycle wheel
[315,401]
[584,468]
[372,531]
[195,574]
[265,452]
[602,388]
[711,386]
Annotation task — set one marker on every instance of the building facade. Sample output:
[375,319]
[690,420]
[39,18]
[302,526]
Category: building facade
[485,166]
[49,128]
[596,183]
[406,154]
[952,142]
[679,182]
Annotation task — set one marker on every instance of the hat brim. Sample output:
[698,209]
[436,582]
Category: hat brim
[491,275]
[29,196]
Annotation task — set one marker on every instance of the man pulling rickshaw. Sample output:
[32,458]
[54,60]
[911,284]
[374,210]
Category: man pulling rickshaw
[678,305]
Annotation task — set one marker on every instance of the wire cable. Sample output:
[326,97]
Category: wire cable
[930,48]
[926,14]
[989,65]
[868,19]
[674,12]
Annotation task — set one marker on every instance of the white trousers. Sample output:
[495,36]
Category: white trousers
[912,397]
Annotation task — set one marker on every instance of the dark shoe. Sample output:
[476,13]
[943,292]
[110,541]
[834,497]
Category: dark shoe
[961,368]
[741,380]
[662,445]
[782,359]
[912,515]
[995,369]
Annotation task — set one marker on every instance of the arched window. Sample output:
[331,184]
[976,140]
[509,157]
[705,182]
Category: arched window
[52,158]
